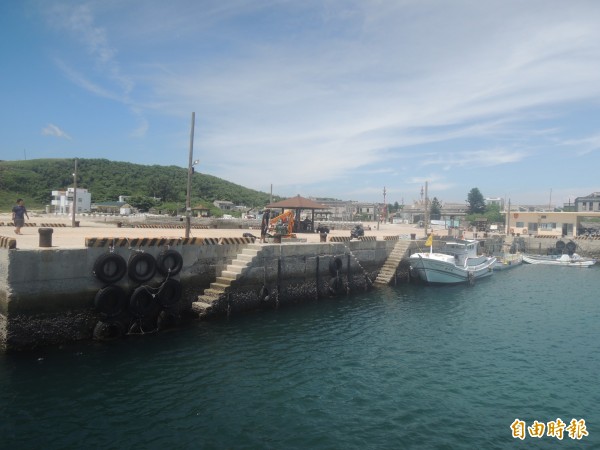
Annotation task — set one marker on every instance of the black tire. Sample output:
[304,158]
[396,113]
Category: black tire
[571,247]
[560,245]
[143,303]
[335,265]
[169,318]
[110,301]
[169,262]
[110,267]
[170,293]
[108,331]
[141,267]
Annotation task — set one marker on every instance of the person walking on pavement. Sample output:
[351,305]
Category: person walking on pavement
[18,214]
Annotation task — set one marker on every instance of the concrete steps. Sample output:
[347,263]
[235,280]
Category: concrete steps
[388,270]
[226,278]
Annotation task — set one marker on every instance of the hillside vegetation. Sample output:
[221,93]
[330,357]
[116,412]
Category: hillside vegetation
[34,181]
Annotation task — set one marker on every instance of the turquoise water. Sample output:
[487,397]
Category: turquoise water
[404,367]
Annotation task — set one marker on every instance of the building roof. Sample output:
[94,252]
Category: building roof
[110,204]
[297,203]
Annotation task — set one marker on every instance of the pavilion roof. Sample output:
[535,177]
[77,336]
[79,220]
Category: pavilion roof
[297,202]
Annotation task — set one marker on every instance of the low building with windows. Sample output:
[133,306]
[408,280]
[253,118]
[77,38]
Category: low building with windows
[551,223]
[62,201]
[588,203]
[224,205]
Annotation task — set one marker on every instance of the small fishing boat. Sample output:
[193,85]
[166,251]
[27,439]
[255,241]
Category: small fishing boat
[508,261]
[455,262]
[573,260]
[507,255]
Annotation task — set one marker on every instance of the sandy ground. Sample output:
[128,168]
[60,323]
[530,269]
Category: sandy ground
[74,237]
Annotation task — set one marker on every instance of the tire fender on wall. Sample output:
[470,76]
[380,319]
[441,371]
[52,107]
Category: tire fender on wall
[110,301]
[143,303]
[110,267]
[169,262]
[141,267]
[170,293]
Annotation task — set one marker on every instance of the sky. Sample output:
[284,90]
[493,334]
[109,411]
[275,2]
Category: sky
[330,98]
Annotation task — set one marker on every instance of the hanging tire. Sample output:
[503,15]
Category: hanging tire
[108,331]
[571,247]
[143,303]
[110,267]
[169,318]
[560,245]
[169,293]
[110,301]
[141,267]
[335,265]
[169,262]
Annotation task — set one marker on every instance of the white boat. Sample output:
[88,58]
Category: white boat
[508,260]
[507,255]
[573,260]
[455,262]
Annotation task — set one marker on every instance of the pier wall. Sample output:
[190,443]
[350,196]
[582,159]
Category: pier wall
[47,295]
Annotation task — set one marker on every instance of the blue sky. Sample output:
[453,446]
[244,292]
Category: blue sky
[329,98]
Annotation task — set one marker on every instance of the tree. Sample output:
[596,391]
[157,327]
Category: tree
[435,211]
[475,201]
[493,214]
[143,204]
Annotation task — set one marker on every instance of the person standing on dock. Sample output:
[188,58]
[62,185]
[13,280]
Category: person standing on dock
[264,225]
[18,214]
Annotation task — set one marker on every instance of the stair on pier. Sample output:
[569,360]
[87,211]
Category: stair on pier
[388,270]
[226,279]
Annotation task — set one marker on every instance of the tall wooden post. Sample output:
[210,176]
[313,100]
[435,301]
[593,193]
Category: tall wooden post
[188,205]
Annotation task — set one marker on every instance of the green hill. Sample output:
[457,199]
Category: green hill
[34,180]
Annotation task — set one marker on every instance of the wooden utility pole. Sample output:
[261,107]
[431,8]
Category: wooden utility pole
[188,204]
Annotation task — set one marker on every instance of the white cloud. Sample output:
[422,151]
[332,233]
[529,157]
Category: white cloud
[53,130]
[340,89]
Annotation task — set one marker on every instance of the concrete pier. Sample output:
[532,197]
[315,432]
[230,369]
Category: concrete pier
[103,280]
[72,290]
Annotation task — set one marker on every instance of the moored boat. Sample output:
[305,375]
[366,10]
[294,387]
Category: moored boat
[455,262]
[508,260]
[573,260]
[507,255]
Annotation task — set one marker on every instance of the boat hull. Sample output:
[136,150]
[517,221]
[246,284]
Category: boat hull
[508,261]
[434,271]
[560,261]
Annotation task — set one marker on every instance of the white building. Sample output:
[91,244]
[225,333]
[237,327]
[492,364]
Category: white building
[63,201]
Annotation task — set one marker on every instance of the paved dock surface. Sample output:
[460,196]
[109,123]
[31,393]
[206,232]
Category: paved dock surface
[64,235]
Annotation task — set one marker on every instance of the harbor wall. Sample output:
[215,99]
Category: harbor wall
[48,295]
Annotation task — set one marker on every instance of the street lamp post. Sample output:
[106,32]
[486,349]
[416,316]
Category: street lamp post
[188,205]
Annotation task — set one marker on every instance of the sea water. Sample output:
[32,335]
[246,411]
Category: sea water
[410,366]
